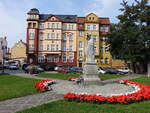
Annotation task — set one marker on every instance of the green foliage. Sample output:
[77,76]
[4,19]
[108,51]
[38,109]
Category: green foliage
[130,38]
[13,86]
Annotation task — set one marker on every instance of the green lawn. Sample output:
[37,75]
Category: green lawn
[60,76]
[110,76]
[72,107]
[64,76]
[13,86]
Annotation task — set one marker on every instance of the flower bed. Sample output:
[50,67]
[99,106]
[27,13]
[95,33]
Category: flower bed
[44,85]
[141,93]
[72,78]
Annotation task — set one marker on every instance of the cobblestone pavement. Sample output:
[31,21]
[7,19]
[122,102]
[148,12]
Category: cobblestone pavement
[62,86]
[17,104]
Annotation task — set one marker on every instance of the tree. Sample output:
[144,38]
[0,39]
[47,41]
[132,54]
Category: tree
[130,38]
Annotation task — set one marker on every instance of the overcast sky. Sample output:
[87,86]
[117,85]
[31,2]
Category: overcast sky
[13,13]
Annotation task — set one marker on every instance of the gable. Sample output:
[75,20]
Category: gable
[92,17]
[54,19]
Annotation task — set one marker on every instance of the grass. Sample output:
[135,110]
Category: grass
[64,76]
[13,86]
[72,107]
[61,76]
[110,76]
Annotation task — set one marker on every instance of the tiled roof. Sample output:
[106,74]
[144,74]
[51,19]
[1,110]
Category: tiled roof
[63,18]
[81,19]
[104,20]
[101,20]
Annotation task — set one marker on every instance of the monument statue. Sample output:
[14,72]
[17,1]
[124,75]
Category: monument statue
[90,51]
[90,69]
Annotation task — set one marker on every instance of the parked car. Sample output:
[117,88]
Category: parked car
[126,70]
[113,71]
[33,69]
[75,70]
[13,67]
[101,70]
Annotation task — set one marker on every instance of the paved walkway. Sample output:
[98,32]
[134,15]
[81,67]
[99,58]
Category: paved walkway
[17,104]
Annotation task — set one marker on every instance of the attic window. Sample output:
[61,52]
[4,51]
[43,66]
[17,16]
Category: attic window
[53,18]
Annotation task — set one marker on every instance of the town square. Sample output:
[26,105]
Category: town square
[72,56]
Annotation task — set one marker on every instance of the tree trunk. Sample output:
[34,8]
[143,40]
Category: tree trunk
[148,69]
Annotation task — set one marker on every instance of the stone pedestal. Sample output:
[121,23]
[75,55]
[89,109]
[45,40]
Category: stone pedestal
[90,74]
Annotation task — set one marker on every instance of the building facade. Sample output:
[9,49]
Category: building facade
[51,39]
[3,49]
[18,51]
[62,39]
[97,28]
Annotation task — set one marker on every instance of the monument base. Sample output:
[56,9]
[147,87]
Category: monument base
[90,74]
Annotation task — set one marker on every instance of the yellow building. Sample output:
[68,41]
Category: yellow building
[18,51]
[97,28]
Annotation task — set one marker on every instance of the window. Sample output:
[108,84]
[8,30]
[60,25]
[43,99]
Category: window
[48,47]
[41,48]
[41,36]
[94,37]
[48,36]
[31,36]
[49,25]
[41,59]
[106,61]
[80,54]
[53,35]
[80,44]
[58,25]
[94,27]
[95,49]
[57,48]
[88,27]
[104,29]
[52,47]
[70,48]
[65,36]
[64,26]
[80,33]
[71,58]
[53,25]
[64,59]
[42,26]
[57,36]
[102,50]
[34,25]
[49,59]
[102,61]
[31,47]
[71,37]
[56,59]
[64,48]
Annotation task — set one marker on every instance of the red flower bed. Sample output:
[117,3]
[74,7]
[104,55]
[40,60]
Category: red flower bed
[43,85]
[72,78]
[141,93]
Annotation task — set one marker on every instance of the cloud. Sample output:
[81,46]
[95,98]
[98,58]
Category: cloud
[104,8]
[13,15]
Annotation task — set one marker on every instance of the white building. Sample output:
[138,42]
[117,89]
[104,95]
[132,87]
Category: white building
[3,48]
